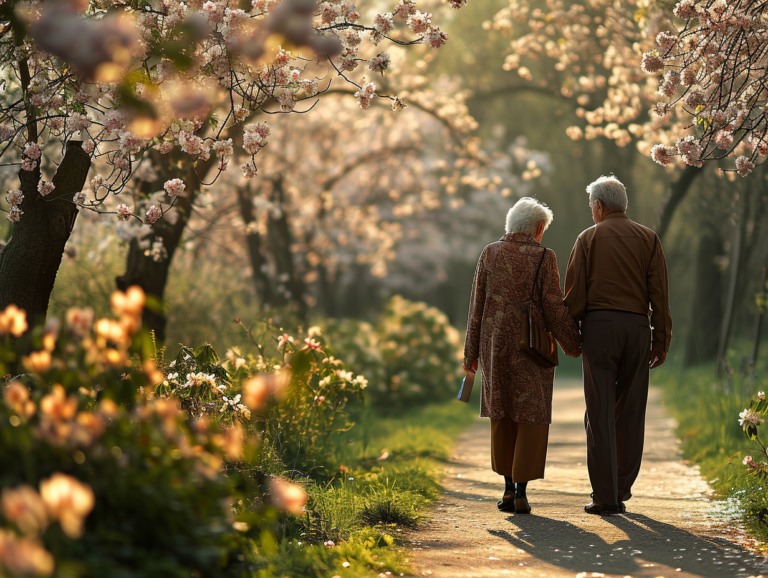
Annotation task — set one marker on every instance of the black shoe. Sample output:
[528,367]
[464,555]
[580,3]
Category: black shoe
[622,508]
[602,509]
[522,506]
[507,504]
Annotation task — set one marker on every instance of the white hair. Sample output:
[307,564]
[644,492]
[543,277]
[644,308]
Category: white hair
[526,215]
[610,192]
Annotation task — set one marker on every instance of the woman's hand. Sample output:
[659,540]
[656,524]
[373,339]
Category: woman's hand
[474,367]
[576,353]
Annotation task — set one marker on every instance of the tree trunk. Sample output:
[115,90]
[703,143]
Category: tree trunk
[677,191]
[707,302]
[141,268]
[736,260]
[280,241]
[31,260]
[255,253]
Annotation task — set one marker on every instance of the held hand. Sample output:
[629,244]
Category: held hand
[576,353]
[474,367]
[657,358]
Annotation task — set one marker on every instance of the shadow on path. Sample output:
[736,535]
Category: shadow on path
[637,545]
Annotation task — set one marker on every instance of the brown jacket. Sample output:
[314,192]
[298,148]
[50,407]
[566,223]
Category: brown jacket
[513,384]
[619,265]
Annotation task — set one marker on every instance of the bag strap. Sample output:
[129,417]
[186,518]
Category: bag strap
[538,270]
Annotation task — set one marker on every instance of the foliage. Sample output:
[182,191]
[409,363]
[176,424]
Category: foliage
[136,486]
[707,411]
[409,356]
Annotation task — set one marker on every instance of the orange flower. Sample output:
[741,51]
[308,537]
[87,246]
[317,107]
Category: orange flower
[17,397]
[13,320]
[24,507]
[287,496]
[108,408]
[233,442]
[37,361]
[68,501]
[57,405]
[91,423]
[131,302]
[24,557]
[255,392]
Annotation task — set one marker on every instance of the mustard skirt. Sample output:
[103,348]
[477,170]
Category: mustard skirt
[518,450]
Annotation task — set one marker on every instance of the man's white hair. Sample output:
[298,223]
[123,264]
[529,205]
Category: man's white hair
[610,192]
[526,215]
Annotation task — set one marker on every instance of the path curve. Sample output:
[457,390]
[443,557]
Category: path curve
[667,531]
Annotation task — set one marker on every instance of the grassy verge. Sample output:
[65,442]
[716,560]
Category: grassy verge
[389,470]
[707,411]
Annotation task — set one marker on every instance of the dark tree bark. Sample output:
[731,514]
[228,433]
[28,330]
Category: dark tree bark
[701,346]
[280,245]
[141,269]
[677,191]
[31,260]
[261,280]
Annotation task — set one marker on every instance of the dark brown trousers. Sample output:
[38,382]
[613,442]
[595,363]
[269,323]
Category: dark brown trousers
[616,348]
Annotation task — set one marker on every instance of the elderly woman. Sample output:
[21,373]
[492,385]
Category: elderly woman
[516,390]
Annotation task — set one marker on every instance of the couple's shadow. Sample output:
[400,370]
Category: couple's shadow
[635,546]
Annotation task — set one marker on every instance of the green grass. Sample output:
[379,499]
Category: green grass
[707,411]
[389,471]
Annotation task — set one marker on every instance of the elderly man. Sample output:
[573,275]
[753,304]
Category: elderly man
[616,280]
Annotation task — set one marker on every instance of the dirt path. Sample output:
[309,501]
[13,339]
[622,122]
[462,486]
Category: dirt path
[667,532]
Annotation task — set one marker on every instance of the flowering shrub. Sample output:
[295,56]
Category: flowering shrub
[102,474]
[750,419]
[409,356]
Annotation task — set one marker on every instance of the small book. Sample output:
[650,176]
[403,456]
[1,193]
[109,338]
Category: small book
[466,387]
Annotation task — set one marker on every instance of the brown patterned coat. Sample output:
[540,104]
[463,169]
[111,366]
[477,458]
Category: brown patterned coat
[513,384]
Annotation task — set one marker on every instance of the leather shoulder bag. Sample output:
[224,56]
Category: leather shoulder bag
[536,341]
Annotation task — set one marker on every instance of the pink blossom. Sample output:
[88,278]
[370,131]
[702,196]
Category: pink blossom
[223,148]
[14,215]
[652,63]
[365,95]
[89,146]
[383,23]
[747,461]
[662,154]
[744,166]
[123,212]
[164,147]
[32,151]
[419,22]
[28,165]
[379,63]
[398,104]
[174,187]
[45,188]
[154,213]
[724,139]
[240,113]
[5,133]
[456,4]
[114,120]
[248,170]
[685,9]
[435,38]
[287,103]
[310,343]
[190,143]
[79,198]
[77,121]
[14,198]
[689,76]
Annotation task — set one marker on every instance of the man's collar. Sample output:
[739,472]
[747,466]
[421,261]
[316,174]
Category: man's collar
[616,214]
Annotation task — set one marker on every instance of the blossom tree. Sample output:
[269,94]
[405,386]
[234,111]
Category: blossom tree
[108,81]
[713,72]
[591,54]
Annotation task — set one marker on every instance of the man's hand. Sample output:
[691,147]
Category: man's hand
[658,356]
[474,367]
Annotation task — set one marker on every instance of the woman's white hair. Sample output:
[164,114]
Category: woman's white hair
[610,192]
[526,215]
